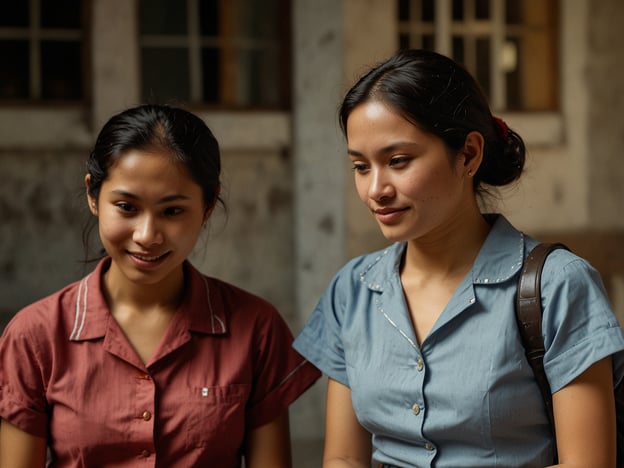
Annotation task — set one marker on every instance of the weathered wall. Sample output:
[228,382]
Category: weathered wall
[40,224]
[42,210]
[605,130]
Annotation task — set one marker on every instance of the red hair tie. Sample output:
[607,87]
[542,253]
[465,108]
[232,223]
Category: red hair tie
[503,129]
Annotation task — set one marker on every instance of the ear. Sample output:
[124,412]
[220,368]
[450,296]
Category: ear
[92,202]
[472,153]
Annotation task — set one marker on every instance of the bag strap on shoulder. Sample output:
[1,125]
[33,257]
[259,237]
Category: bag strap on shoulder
[529,317]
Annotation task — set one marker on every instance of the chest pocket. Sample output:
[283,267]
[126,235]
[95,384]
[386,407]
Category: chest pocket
[216,416]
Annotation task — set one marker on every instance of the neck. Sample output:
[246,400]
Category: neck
[120,291]
[450,252]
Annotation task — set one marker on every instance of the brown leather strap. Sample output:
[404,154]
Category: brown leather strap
[529,316]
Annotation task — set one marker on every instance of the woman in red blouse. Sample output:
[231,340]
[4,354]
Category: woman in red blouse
[146,361]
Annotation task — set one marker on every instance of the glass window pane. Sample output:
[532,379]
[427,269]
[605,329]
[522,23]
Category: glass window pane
[258,20]
[512,12]
[165,74]
[14,70]
[404,42]
[482,9]
[257,71]
[428,11]
[61,70]
[209,17]
[428,41]
[163,17]
[512,82]
[484,63]
[458,10]
[458,48]
[404,10]
[211,70]
[60,14]
[15,14]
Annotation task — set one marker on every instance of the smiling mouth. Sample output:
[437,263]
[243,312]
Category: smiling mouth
[148,258]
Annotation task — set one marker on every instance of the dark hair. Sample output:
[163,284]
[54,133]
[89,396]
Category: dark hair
[153,128]
[441,97]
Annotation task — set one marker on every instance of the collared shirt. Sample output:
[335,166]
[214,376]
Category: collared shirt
[224,367]
[466,397]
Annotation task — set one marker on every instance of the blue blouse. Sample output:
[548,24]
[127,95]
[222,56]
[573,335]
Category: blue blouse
[466,397]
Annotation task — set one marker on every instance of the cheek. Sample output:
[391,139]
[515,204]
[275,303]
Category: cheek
[362,188]
[113,229]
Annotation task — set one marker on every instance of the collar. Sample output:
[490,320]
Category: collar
[499,259]
[201,311]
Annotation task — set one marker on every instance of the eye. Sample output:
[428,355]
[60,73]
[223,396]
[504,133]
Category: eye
[399,161]
[359,168]
[125,207]
[173,210]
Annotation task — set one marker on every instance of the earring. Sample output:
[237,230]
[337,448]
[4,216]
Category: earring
[469,173]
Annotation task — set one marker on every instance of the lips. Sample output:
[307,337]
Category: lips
[147,262]
[147,258]
[388,215]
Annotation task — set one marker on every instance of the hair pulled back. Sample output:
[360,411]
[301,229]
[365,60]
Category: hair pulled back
[440,96]
[156,128]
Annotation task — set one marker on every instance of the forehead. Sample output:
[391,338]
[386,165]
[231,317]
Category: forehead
[374,122]
[150,171]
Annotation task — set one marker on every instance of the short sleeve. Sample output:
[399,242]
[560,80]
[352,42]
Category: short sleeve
[320,341]
[281,374]
[578,324]
[22,387]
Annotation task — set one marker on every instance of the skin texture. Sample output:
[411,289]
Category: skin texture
[420,193]
[150,215]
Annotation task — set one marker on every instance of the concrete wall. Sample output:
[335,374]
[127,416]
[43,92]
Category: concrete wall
[292,213]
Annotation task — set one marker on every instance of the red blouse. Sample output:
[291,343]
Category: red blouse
[224,367]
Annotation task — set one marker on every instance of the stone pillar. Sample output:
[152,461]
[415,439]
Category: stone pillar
[319,172]
[115,62]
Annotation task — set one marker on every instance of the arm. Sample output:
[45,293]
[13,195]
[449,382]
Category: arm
[19,449]
[268,446]
[584,413]
[347,443]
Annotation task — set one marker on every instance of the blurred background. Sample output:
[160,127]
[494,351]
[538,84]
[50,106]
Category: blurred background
[267,77]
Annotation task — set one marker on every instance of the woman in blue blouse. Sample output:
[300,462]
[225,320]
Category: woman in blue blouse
[420,341]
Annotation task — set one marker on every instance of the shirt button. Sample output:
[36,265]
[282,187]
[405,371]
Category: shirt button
[416,408]
[147,415]
[145,453]
[420,365]
[428,446]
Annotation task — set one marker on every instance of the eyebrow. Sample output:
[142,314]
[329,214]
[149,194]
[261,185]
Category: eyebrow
[167,199]
[387,149]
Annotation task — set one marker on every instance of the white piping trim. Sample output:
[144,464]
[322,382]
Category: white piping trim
[80,314]
[292,372]
[213,317]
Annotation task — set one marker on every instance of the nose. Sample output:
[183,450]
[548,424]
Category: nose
[380,187]
[147,232]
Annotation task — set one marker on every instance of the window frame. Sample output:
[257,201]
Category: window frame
[230,44]
[542,128]
[35,34]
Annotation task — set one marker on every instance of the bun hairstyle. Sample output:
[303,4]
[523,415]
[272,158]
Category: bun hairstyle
[440,96]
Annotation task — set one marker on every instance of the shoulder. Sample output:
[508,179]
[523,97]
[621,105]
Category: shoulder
[52,311]
[564,266]
[234,297]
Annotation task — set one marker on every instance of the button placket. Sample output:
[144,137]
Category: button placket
[144,401]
